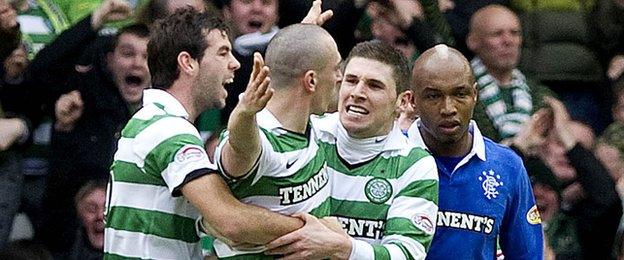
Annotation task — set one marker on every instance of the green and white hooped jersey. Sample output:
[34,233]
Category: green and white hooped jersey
[388,203]
[290,175]
[158,152]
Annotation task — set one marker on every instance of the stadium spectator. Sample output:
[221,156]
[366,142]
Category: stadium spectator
[253,23]
[13,131]
[90,202]
[507,98]
[576,195]
[607,31]
[411,26]
[459,16]
[106,92]
[9,30]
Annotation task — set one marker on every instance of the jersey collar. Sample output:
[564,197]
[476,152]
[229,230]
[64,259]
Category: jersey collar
[166,101]
[478,144]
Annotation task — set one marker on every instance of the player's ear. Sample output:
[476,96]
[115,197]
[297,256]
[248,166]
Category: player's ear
[186,63]
[405,101]
[310,81]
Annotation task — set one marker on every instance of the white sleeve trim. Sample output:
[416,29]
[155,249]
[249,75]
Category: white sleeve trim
[361,250]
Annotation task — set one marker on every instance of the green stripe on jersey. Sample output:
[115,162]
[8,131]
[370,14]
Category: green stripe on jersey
[405,251]
[426,189]
[357,209]
[159,158]
[286,142]
[269,186]
[381,252]
[152,222]
[135,126]
[322,210]
[387,168]
[405,227]
[130,172]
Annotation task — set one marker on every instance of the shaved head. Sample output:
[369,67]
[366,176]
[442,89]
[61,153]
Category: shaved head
[440,63]
[445,96]
[297,49]
[481,18]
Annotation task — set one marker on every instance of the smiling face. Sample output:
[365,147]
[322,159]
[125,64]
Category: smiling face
[216,69]
[367,99]
[128,66]
[249,16]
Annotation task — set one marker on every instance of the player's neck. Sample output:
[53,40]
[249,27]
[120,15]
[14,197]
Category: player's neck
[459,148]
[290,110]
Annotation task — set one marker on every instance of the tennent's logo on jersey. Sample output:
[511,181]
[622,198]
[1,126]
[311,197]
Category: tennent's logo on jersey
[189,153]
[481,224]
[365,228]
[378,190]
[299,193]
[490,183]
[533,216]
[423,222]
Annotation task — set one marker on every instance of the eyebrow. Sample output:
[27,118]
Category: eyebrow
[224,47]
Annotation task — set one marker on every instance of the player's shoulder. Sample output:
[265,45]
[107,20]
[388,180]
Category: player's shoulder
[325,126]
[499,151]
[503,156]
[151,121]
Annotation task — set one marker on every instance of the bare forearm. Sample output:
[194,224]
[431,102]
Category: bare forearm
[228,217]
[261,226]
[243,145]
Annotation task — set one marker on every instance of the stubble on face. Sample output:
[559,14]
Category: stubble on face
[216,69]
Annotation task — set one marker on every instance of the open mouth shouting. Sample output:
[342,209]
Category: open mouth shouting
[255,25]
[133,80]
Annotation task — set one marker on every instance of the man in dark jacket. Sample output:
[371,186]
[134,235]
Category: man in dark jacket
[107,89]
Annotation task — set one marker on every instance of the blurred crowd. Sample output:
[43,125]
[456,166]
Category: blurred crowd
[550,78]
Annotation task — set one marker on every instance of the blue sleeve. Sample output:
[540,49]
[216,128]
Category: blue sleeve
[521,234]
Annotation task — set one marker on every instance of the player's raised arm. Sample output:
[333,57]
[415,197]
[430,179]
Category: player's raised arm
[242,147]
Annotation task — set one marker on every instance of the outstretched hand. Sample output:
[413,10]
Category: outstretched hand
[258,92]
[315,16]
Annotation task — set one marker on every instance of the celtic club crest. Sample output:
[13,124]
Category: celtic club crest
[490,183]
[378,190]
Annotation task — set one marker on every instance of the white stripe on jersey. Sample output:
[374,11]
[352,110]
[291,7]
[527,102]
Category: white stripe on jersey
[395,252]
[150,197]
[355,191]
[406,207]
[415,248]
[148,112]
[151,137]
[153,247]
[273,203]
